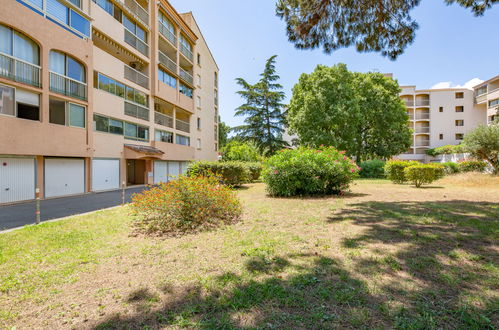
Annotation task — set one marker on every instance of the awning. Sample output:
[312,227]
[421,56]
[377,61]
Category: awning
[133,151]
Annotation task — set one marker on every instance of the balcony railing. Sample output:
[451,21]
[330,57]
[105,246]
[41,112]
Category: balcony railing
[424,143]
[136,111]
[422,116]
[422,130]
[182,126]
[481,98]
[186,76]
[167,34]
[20,71]
[68,86]
[422,103]
[167,62]
[410,115]
[137,10]
[187,52]
[136,43]
[136,76]
[162,119]
[409,103]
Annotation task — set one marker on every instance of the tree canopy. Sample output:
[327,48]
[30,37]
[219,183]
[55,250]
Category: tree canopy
[360,113]
[223,134]
[369,25]
[263,109]
[241,151]
[483,143]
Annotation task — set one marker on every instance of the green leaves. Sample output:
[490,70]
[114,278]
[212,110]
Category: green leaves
[483,143]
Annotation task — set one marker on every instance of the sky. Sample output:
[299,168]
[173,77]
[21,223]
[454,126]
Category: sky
[452,47]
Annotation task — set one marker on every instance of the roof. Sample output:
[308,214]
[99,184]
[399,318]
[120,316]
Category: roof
[148,150]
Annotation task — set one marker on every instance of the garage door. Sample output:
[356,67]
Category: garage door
[183,167]
[160,172]
[17,179]
[105,174]
[64,176]
[173,170]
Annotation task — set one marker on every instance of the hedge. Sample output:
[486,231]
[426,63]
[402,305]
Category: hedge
[394,169]
[470,165]
[230,173]
[423,173]
[373,169]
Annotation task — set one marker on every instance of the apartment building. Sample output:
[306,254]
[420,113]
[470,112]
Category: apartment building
[97,93]
[487,98]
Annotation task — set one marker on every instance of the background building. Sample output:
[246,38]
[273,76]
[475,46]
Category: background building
[94,93]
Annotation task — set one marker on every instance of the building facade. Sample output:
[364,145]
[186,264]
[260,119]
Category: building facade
[95,94]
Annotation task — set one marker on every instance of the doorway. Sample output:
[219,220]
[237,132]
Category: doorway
[135,171]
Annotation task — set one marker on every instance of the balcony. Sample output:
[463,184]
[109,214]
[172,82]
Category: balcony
[186,52]
[137,10]
[186,76]
[423,143]
[409,103]
[182,126]
[167,34]
[136,76]
[423,116]
[67,86]
[162,119]
[136,111]
[167,62]
[422,130]
[20,71]
[422,103]
[136,43]
[481,98]
[410,115]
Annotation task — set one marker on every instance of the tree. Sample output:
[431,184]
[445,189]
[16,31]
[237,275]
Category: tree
[264,123]
[360,113]
[371,25]
[483,143]
[223,134]
[241,151]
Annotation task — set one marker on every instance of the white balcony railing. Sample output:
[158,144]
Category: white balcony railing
[167,62]
[67,86]
[162,119]
[186,52]
[136,43]
[186,76]
[165,32]
[19,70]
[136,76]
[137,10]
[182,126]
[422,116]
[423,143]
[422,103]
[422,130]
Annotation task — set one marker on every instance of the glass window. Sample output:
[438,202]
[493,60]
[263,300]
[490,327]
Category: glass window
[183,140]
[130,130]
[80,23]
[120,89]
[76,115]
[7,100]
[115,126]
[75,70]
[186,90]
[58,10]
[143,133]
[127,22]
[25,49]
[5,40]
[101,124]
[104,83]
[67,66]
[140,33]
[77,3]
[57,112]
[167,78]
[140,98]
[106,5]
[493,103]
[37,3]
[164,136]
[185,43]
[57,62]
[482,90]
[130,94]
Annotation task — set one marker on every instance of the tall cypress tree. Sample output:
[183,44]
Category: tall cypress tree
[263,109]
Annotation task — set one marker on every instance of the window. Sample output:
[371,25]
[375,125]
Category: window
[164,136]
[441,136]
[66,113]
[67,66]
[493,103]
[28,105]
[198,80]
[76,115]
[198,101]
[441,109]
[460,108]
[459,136]
[184,43]
[459,95]
[216,79]
[116,126]
[199,59]
[460,122]
[68,16]
[167,78]
[7,100]
[183,140]
[136,132]
[199,123]
[57,112]
[198,143]
[134,28]
[167,29]
[112,86]
[187,91]
[107,125]
[482,90]
[111,9]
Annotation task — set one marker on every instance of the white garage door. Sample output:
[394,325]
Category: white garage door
[17,179]
[64,176]
[173,170]
[183,167]
[105,174]
[160,172]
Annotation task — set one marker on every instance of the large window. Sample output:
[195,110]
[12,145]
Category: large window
[482,90]
[129,130]
[167,78]
[19,103]
[187,91]
[66,113]
[135,28]
[136,132]
[183,140]
[493,103]
[7,100]
[166,28]
[66,65]
[164,136]
[185,44]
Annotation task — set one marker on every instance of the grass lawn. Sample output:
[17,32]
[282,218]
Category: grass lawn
[382,256]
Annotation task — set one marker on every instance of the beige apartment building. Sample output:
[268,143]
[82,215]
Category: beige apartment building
[97,93]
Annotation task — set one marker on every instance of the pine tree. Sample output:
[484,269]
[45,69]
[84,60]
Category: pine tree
[263,109]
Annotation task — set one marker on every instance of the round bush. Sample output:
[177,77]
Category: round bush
[306,171]
[373,169]
[230,173]
[255,170]
[185,204]
[471,165]
[423,173]
[394,169]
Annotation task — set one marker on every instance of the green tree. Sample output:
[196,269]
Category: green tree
[360,113]
[223,134]
[241,151]
[263,109]
[483,143]
[370,25]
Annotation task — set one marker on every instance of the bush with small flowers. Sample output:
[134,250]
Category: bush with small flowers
[307,171]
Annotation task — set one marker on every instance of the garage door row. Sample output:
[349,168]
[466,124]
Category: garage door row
[66,176]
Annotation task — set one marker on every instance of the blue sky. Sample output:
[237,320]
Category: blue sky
[451,46]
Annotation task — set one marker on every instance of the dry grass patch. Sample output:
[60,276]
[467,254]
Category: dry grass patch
[383,256]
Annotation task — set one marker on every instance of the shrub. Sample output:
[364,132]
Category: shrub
[394,169]
[447,149]
[451,167]
[255,170]
[306,171]
[185,204]
[229,173]
[471,165]
[240,151]
[483,143]
[372,169]
[423,173]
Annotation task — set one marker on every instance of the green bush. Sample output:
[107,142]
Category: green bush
[185,204]
[423,173]
[394,169]
[447,149]
[255,170]
[240,151]
[306,171]
[471,165]
[451,167]
[374,169]
[230,173]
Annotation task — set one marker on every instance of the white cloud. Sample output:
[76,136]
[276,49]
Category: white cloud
[448,84]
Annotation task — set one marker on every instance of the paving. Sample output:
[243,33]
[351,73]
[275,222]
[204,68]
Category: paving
[21,214]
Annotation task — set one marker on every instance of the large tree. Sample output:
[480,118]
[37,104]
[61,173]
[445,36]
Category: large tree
[483,143]
[223,134]
[360,113]
[263,109]
[370,25]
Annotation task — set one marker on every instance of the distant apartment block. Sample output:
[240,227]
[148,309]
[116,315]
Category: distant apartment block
[96,93]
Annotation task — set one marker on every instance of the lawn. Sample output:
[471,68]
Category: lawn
[381,256]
